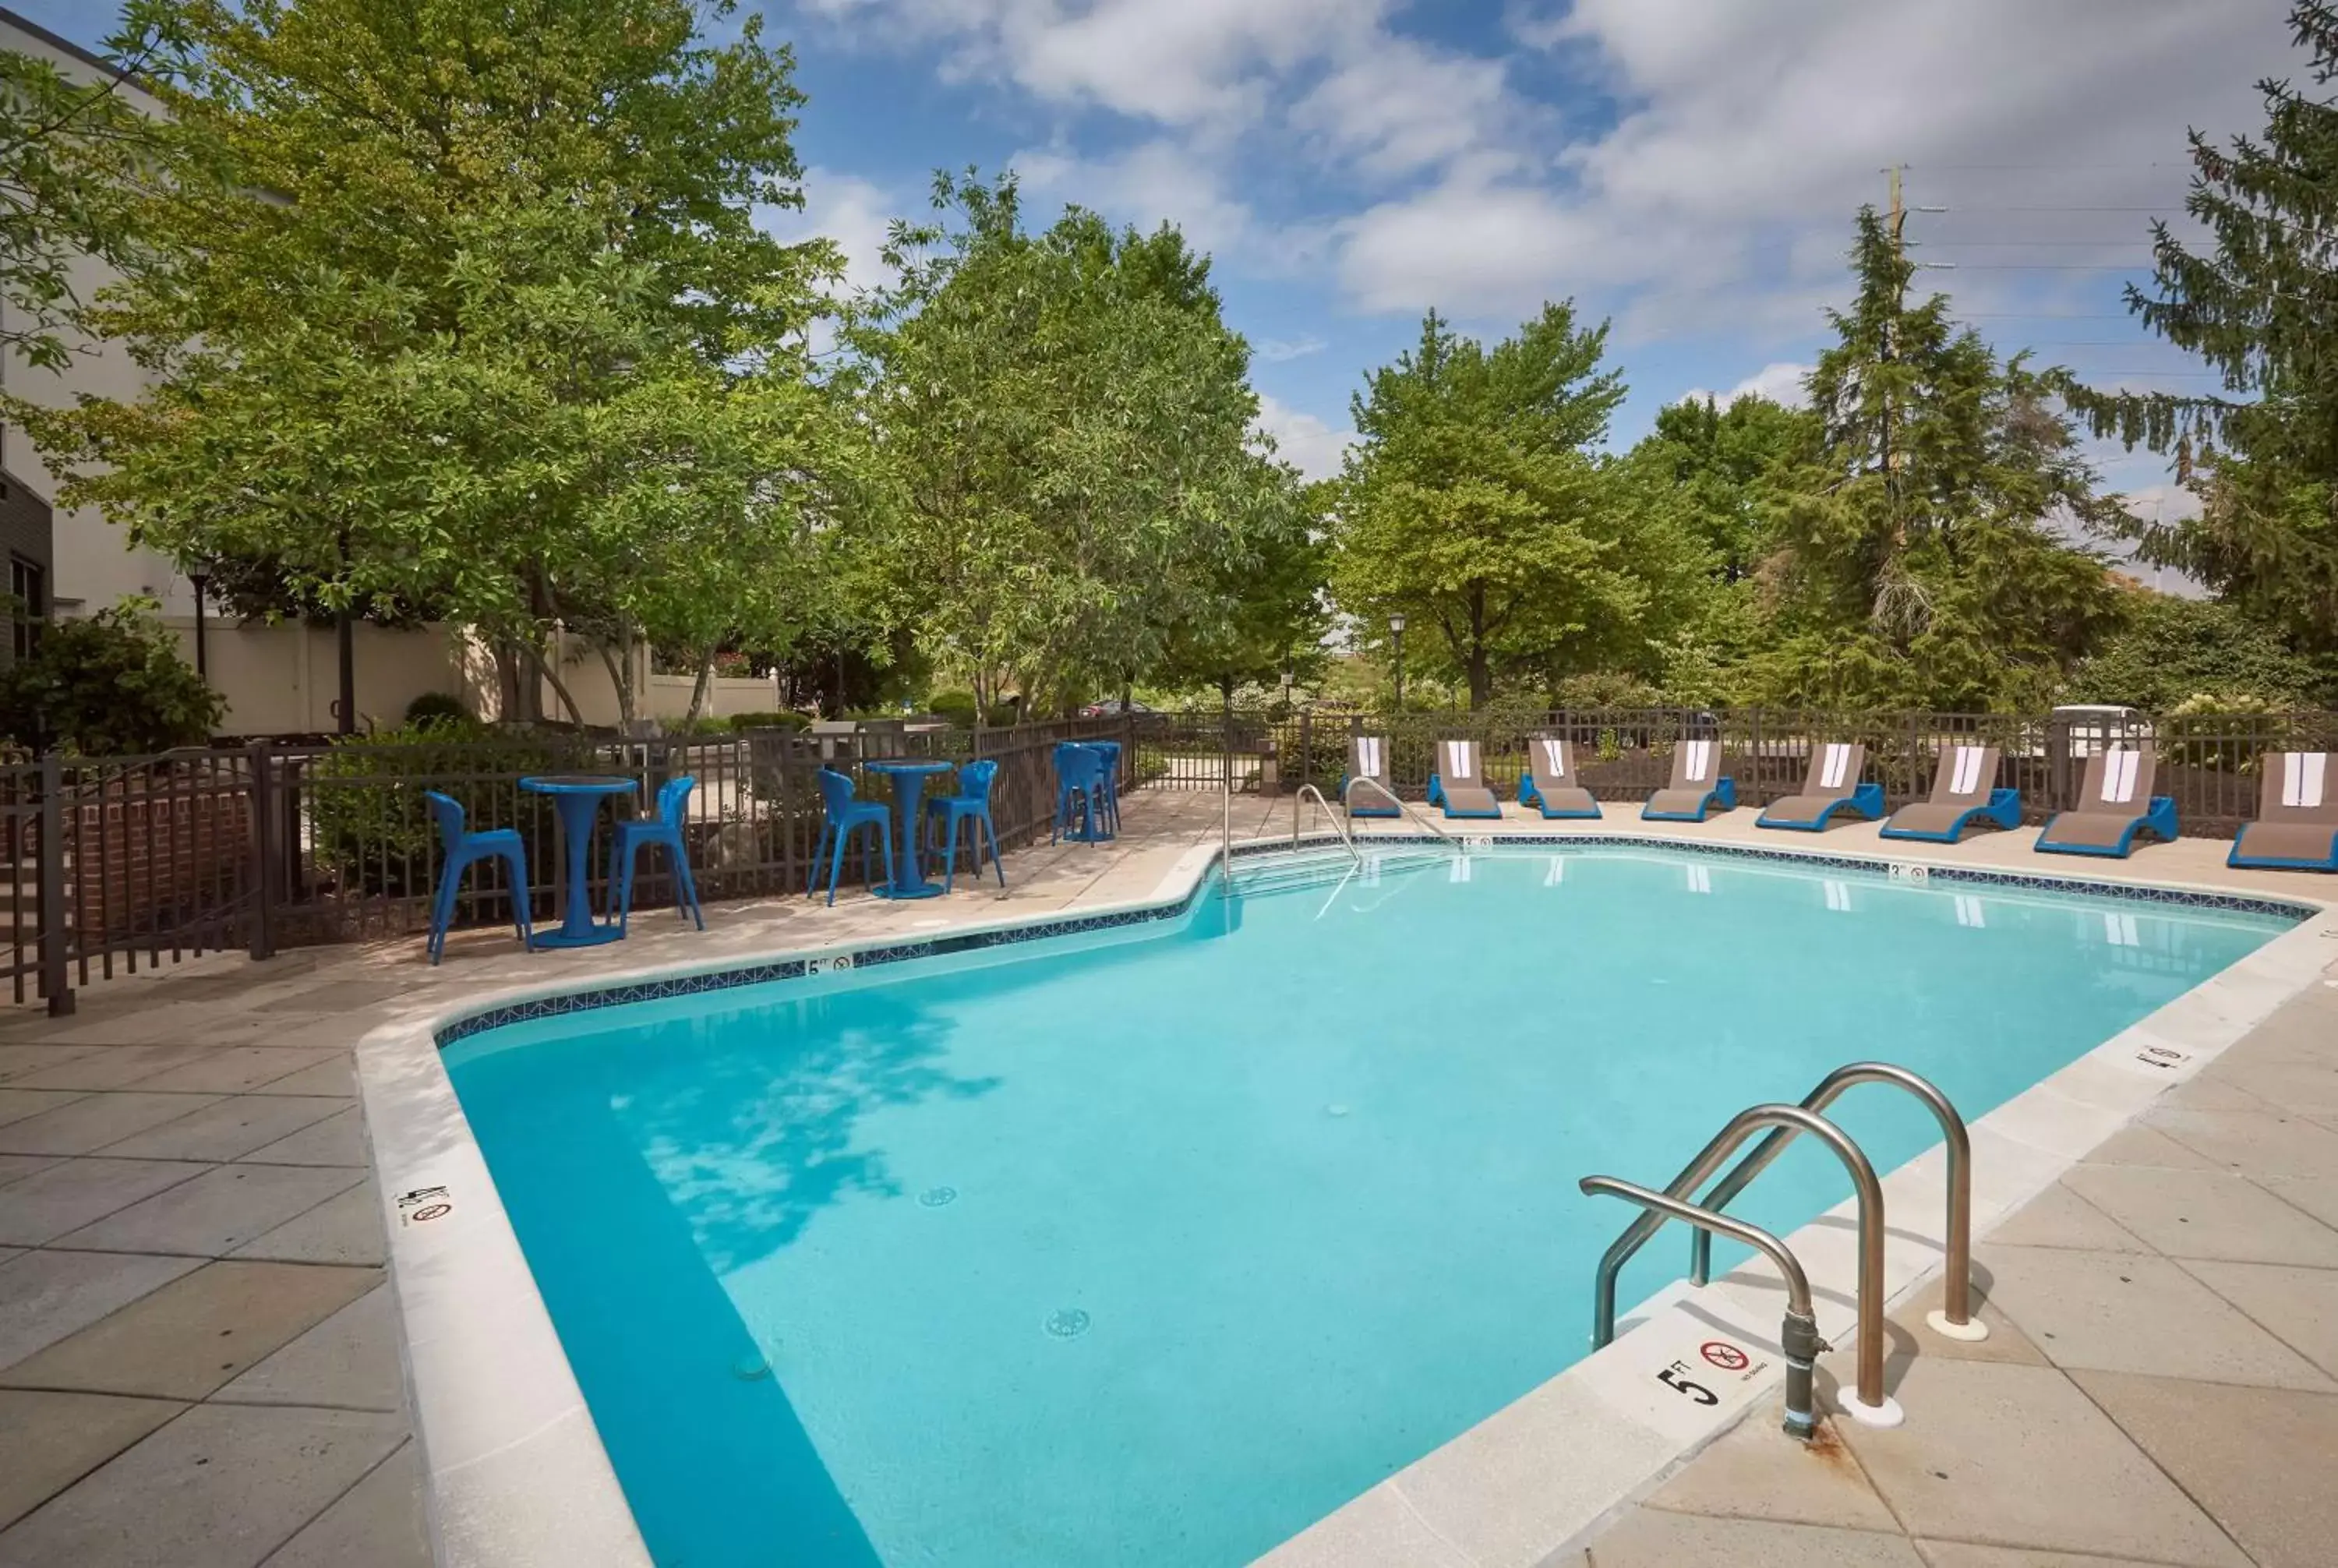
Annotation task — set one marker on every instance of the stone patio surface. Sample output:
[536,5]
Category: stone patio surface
[198,1351]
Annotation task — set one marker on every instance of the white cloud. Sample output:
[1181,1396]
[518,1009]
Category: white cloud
[1303,440]
[853,211]
[1278,350]
[1154,181]
[1781,382]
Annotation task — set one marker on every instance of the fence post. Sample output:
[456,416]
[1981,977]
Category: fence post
[1915,761]
[1755,763]
[1306,749]
[263,936]
[56,976]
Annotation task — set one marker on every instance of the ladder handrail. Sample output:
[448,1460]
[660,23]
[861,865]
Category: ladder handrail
[1338,827]
[1725,1143]
[1347,804]
[1956,1304]
[1798,1338]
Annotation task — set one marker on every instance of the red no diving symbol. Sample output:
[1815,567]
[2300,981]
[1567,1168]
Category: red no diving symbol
[1724,1355]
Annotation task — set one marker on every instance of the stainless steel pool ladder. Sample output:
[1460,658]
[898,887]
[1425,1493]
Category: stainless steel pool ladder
[1298,798]
[1785,1122]
[1798,1336]
[1347,804]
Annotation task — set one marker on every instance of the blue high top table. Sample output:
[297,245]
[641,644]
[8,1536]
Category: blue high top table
[908,790]
[578,796]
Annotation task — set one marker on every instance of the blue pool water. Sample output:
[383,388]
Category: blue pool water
[1155,1252]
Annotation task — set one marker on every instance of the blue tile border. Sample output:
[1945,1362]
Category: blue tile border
[796,968]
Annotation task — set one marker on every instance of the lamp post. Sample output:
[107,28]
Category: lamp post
[1396,630]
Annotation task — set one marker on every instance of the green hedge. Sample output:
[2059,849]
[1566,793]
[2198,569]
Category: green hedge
[375,830]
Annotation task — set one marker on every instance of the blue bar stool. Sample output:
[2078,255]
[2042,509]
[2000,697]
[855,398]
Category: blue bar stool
[1109,778]
[1078,771]
[465,850]
[841,817]
[641,833]
[970,804]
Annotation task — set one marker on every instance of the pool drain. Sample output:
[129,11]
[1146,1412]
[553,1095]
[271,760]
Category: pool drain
[1069,1323]
[938,1197]
[750,1368]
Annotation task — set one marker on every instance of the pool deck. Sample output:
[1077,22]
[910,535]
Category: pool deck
[199,1356]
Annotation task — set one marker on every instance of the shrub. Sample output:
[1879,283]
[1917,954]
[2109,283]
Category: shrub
[956,706]
[784,721]
[436,707]
[372,824]
[110,685]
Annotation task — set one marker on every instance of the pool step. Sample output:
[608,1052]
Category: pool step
[1311,868]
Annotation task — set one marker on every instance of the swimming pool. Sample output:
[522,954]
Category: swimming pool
[1156,1246]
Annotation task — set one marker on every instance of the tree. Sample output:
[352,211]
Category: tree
[1919,560]
[1728,462]
[64,147]
[2171,651]
[1471,505]
[452,304]
[1071,421]
[2263,453]
[1266,615]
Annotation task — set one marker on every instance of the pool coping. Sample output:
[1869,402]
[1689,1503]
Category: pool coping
[515,1474]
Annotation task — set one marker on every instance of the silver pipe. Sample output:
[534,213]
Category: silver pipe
[1956,1303]
[1347,801]
[1870,1230]
[1799,1336]
[1337,827]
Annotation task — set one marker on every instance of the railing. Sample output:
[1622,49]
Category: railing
[1872,1403]
[1304,793]
[2208,761]
[1798,1337]
[1954,1320]
[1417,818]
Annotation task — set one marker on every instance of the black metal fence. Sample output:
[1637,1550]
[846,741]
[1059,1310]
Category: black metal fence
[122,863]
[2207,762]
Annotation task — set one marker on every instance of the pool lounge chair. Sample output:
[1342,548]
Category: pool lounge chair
[1549,782]
[2296,827]
[1368,776]
[1964,793]
[1833,786]
[2107,818]
[1459,784]
[1699,785]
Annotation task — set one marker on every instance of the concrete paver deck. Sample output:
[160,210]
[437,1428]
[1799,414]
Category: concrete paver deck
[197,1350]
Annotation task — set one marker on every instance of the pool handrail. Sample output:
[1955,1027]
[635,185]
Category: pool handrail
[1798,1337]
[1298,798]
[1725,1143]
[1955,1318]
[1347,796]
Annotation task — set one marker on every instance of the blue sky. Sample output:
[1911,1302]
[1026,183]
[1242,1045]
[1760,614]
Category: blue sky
[1689,168]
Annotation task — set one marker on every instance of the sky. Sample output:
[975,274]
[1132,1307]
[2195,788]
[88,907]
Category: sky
[1688,169]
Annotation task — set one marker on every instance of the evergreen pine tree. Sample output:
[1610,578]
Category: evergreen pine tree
[2261,307]
[1922,558]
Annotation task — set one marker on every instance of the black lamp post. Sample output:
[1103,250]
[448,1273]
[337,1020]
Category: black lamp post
[1396,630]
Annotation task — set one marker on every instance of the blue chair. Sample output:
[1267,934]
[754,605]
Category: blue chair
[637,834]
[1078,771]
[463,851]
[1108,780]
[840,818]
[970,804]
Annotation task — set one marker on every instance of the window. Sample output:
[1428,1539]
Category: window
[28,603]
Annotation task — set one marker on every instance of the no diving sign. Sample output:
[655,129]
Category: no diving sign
[1711,1377]
[423,1205]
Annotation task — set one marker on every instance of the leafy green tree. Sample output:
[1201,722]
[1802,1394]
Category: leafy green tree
[1266,615]
[1728,462]
[64,148]
[2171,651]
[1918,561]
[1471,503]
[1070,418]
[111,684]
[463,304]
[2263,453]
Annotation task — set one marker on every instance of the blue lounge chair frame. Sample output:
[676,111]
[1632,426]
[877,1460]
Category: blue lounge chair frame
[2158,819]
[1865,802]
[2003,810]
[1724,794]
[1437,799]
[1530,796]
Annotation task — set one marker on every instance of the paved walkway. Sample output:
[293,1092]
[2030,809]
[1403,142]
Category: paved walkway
[198,1361]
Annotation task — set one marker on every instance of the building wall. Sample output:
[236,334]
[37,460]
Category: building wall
[93,566]
[285,679]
